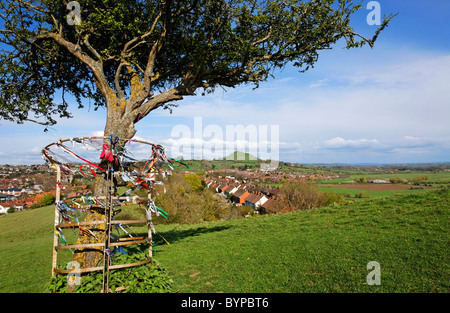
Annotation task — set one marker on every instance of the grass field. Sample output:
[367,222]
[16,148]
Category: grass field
[438,178]
[323,250]
[368,192]
[26,240]
[348,187]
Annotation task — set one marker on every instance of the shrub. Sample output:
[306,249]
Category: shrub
[147,278]
[187,202]
[44,200]
[244,210]
[361,194]
[194,181]
[333,198]
[302,195]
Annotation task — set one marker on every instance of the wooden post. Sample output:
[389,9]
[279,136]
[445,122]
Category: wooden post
[149,221]
[57,219]
[107,240]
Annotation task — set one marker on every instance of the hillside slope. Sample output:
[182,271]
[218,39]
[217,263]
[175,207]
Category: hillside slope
[240,156]
[324,250]
[26,240]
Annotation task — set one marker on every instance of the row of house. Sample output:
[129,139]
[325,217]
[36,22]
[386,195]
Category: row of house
[17,191]
[13,191]
[268,201]
[22,201]
[19,201]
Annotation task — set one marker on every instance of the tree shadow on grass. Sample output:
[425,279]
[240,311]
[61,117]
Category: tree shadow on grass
[175,234]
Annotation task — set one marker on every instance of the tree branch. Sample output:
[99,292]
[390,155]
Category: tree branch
[85,42]
[255,43]
[148,74]
[119,90]
[75,50]
[139,92]
[141,38]
[155,102]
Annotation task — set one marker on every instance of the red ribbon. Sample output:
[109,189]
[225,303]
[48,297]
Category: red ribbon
[106,154]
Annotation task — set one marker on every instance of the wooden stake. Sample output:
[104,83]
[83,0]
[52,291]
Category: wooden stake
[149,221]
[56,220]
[107,241]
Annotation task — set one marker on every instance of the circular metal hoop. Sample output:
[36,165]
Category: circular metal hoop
[112,148]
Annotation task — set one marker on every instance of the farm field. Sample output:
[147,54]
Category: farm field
[372,190]
[414,182]
[384,187]
[322,250]
[433,178]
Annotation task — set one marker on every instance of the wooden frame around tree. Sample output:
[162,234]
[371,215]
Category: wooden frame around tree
[59,224]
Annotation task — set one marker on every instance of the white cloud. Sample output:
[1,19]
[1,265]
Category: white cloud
[97,133]
[378,113]
[341,143]
[411,138]
[424,71]
[319,83]
[393,150]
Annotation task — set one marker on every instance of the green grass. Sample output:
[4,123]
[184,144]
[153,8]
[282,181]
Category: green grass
[26,240]
[437,178]
[323,250]
[372,193]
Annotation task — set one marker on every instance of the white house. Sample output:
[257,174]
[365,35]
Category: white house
[234,189]
[3,210]
[229,190]
[255,200]
[380,181]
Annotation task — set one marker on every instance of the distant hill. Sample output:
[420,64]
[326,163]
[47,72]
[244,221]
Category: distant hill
[240,156]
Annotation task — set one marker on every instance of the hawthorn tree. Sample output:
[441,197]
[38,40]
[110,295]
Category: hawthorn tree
[133,57]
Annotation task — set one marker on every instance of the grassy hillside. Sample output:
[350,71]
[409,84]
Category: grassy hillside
[26,240]
[241,156]
[371,193]
[324,250]
[441,178]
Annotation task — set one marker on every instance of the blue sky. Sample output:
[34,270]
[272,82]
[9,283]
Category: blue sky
[389,104]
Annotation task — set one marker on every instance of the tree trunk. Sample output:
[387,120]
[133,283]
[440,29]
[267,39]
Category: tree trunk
[114,126]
